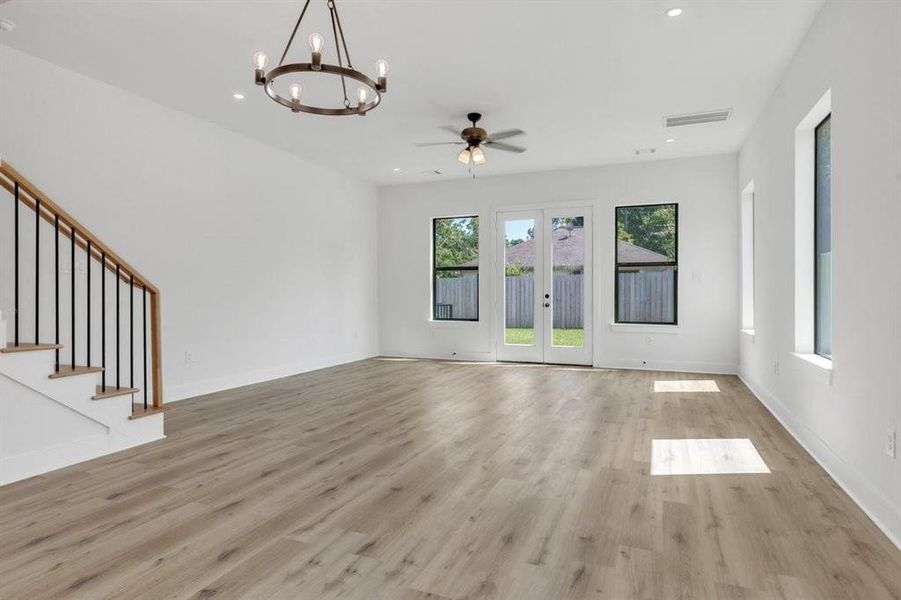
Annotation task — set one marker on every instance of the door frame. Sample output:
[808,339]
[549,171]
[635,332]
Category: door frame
[543,351]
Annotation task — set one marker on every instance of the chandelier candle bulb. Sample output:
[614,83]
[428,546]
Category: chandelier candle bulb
[259,62]
[294,89]
[381,66]
[316,44]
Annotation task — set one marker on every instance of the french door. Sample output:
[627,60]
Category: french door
[543,303]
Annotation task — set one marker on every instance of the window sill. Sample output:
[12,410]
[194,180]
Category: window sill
[451,323]
[643,328]
[822,365]
[749,332]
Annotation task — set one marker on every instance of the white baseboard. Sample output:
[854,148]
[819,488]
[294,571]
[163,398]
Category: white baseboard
[37,462]
[472,356]
[182,391]
[670,365]
[879,508]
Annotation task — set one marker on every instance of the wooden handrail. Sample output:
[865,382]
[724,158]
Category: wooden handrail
[28,194]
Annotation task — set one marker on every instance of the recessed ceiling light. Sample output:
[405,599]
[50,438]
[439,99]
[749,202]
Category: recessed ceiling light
[673,12]
[7,25]
[238,96]
[670,140]
[396,169]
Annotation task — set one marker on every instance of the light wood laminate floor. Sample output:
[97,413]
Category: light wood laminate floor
[406,480]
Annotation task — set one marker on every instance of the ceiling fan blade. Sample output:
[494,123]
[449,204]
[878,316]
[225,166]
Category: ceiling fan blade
[507,133]
[505,147]
[451,129]
[439,144]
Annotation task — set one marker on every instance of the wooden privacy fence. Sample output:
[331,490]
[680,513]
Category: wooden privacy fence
[567,301]
[644,296]
[461,294]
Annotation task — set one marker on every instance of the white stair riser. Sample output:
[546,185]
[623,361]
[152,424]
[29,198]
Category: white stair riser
[33,369]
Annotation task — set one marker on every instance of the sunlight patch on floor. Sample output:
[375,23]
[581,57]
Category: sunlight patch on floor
[705,457]
[687,385]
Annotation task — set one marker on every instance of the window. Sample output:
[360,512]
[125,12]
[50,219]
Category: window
[822,238]
[813,235]
[455,276]
[747,258]
[646,261]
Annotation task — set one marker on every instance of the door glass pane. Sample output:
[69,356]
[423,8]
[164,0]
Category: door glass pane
[568,260]
[519,282]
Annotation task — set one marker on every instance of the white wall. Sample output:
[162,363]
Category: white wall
[854,49]
[265,262]
[707,336]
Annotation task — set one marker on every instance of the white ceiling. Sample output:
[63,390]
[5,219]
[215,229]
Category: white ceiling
[589,81]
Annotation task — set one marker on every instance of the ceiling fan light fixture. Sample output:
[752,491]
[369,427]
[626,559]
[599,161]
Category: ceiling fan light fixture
[464,156]
[478,157]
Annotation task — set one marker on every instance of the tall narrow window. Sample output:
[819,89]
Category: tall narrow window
[455,275]
[822,243]
[646,263]
[747,258]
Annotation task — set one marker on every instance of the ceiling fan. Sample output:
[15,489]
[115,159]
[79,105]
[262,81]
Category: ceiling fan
[475,137]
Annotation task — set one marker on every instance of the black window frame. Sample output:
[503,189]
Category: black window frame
[436,269]
[816,282]
[617,265]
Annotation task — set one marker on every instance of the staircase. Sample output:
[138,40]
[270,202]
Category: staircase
[80,367]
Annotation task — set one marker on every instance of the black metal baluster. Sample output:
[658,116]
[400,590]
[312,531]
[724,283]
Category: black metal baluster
[103,320]
[144,329]
[131,331]
[56,287]
[16,228]
[37,270]
[117,325]
[72,264]
[88,303]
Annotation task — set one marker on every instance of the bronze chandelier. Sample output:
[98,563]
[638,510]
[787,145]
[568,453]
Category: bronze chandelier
[369,94]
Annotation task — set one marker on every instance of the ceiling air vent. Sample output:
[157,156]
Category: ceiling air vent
[710,116]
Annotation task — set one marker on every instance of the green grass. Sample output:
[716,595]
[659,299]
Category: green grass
[562,337]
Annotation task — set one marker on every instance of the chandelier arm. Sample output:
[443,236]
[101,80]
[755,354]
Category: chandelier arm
[332,14]
[293,33]
[341,31]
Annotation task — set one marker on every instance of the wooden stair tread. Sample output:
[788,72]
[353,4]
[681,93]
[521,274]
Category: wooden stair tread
[68,371]
[138,411]
[10,347]
[112,392]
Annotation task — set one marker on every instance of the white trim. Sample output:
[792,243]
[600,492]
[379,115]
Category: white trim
[805,159]
[671,365]
[44,460]
[643,328]
[746,253]
[174,393]
[454,323]
[821,365]
[871,501]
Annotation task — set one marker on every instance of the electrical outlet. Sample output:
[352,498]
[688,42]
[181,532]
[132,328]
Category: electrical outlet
[890,443]
[189,357]
[776,366]
[649,340]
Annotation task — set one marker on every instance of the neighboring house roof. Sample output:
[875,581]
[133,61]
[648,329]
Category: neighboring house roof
[630,253]
[569,251]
